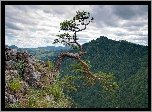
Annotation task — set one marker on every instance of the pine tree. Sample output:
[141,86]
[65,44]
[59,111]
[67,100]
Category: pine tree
[82,66]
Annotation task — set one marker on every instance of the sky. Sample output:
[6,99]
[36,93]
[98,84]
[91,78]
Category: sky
[31,26]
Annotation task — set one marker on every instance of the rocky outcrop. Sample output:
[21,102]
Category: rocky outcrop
[25,66]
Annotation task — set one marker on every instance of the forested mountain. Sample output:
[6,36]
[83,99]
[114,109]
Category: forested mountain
[129,64]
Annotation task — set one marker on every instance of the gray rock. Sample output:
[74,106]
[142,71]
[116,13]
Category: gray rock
[13,54]
[31,59]
[37,76]
[31,76]
[10,75]
[9,98]
[9,64]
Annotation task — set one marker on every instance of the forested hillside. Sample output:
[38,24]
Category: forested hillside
[129,64]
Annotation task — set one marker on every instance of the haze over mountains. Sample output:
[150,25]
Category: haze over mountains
[45,48]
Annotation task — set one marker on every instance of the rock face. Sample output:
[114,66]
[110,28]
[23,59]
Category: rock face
[25,66]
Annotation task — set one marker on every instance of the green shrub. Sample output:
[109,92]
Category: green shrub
[50,65]
[15,85]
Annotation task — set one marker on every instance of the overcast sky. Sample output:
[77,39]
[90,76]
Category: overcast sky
[30,26]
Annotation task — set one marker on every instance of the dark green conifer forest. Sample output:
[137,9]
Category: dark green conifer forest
[129,64]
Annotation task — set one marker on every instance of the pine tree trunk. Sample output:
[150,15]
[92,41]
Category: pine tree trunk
[61,56]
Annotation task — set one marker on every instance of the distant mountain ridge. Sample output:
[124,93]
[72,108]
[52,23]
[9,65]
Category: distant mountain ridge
[45,48]
[12,46]
[55,48]
[43,53]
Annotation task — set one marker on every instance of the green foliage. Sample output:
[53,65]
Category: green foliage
[19,66]
[107,81]
[71,25]
[15,85]
[31,102]
[75,47]
[71,82]
[78,67]
[68,82]
[134,90]
[39,67]
[50,65]
[47,67]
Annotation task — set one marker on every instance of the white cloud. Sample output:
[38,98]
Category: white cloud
[34,26]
